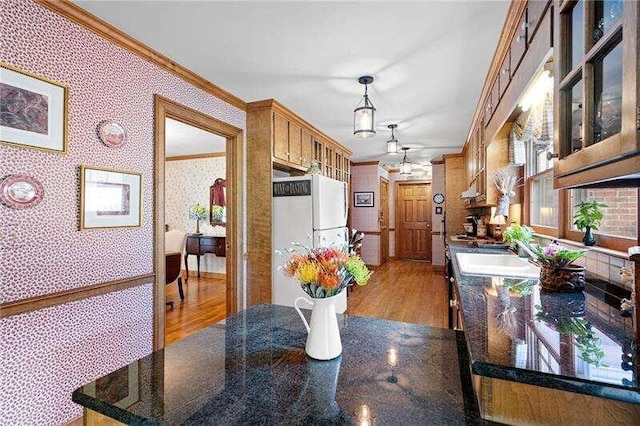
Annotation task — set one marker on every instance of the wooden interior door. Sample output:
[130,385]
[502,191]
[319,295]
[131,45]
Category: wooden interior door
[413,220]
[384,220]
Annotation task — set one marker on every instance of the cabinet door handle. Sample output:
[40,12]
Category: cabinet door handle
[520,39]
[505,71]
[524,25]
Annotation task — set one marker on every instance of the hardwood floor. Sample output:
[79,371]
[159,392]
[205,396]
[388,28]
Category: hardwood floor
[204,304]
[398,290]
[403,291]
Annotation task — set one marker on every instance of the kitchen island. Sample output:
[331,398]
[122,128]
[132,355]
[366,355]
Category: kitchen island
[252,369]
[547,358]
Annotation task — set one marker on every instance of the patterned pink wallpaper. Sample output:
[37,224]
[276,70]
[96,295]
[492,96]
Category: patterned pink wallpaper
[42,250]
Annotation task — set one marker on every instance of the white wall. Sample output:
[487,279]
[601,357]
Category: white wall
[187,183]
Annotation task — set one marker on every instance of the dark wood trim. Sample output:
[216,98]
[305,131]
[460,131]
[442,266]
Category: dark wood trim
[78,15]
[366,163]
[436,162]
[164,108]
[196,156]
[370,232]
[30,304]
[437,268]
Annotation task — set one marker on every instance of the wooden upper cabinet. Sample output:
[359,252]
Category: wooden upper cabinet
[495,94]
[307,148]
[597,111]
[280,137]
[295,144]
[535,12]
[505,73]
[519,43]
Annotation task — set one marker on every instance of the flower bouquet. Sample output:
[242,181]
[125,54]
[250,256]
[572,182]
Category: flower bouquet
[197,212]
[325,271]
[556,270]
[217,213]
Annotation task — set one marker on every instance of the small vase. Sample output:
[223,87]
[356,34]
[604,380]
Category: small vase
[589,239]
[323,340]
[565,279]
[197,226]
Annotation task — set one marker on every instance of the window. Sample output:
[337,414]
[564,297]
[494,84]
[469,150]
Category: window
[620,215]
[543,201]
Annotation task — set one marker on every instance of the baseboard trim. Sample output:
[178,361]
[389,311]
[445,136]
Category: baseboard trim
[204,274]
[30,304]
[437,268]
[373,267]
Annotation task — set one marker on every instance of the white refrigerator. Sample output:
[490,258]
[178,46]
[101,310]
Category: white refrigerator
[310,210]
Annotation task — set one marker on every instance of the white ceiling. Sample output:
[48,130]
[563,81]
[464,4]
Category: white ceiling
[429,60]
[183,139]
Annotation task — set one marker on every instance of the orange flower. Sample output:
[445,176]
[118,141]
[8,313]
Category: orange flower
[327,280]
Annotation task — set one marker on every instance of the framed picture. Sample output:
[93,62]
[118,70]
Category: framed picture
[110,198]
[438,210]
[33,110]
[363,199]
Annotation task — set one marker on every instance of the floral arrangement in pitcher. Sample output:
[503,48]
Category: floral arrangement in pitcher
[325,271]
[554,256]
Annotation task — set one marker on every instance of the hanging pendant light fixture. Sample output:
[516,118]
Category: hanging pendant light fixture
[405,166]
[392,144]
[364,125]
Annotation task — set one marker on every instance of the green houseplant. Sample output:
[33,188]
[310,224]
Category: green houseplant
[588,216]
[517,233]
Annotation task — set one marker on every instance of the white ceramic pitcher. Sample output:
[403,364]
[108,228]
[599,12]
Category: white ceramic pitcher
[323,341]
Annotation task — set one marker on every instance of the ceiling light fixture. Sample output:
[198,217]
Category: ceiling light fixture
[363,116]
[405,166]
[392,144]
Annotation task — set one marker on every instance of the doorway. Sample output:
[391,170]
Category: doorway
[167,109]
[384,220]
[413,220]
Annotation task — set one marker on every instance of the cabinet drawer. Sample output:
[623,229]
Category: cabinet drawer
[519,43]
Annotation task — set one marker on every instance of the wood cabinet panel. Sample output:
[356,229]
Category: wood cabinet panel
[307,148]
[495,94]
[280,137]
[519,43]
[295,144]
[535,11]
[505,73]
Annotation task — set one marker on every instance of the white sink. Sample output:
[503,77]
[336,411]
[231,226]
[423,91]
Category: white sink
[503,265]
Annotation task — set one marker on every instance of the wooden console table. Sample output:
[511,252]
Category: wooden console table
[201,244]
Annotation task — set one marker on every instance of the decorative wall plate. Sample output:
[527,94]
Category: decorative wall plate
[112,134]
[21,191]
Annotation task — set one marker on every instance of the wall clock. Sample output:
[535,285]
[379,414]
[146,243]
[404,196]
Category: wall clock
[438,198]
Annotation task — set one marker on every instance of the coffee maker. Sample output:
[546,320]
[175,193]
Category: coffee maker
[471,227]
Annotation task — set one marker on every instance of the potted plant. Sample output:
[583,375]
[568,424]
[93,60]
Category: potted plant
[588,216]
[517,233]
[556,270]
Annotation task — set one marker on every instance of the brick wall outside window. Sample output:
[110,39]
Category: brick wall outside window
[621,213]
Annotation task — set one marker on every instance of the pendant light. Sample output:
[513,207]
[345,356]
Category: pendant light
[405,166]
[363,116]
[392,144]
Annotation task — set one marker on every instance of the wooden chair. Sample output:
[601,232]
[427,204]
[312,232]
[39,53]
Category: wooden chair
[174,244]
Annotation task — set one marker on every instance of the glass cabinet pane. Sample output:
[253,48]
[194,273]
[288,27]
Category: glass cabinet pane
[576,117]
[607,13]
[607,91]
[577,33]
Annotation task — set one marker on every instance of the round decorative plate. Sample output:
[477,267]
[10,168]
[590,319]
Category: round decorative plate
[21,191]
[438,198]
[112,134]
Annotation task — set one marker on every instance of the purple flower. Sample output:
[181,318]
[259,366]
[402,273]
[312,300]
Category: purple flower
[551,250]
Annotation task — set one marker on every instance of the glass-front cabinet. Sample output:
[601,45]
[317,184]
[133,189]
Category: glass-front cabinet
[598,115]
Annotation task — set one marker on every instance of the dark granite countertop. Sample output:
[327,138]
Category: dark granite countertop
[252,369]
[576,342]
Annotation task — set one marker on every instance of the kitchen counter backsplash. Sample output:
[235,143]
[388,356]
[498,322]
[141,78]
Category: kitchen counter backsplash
[601,263]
